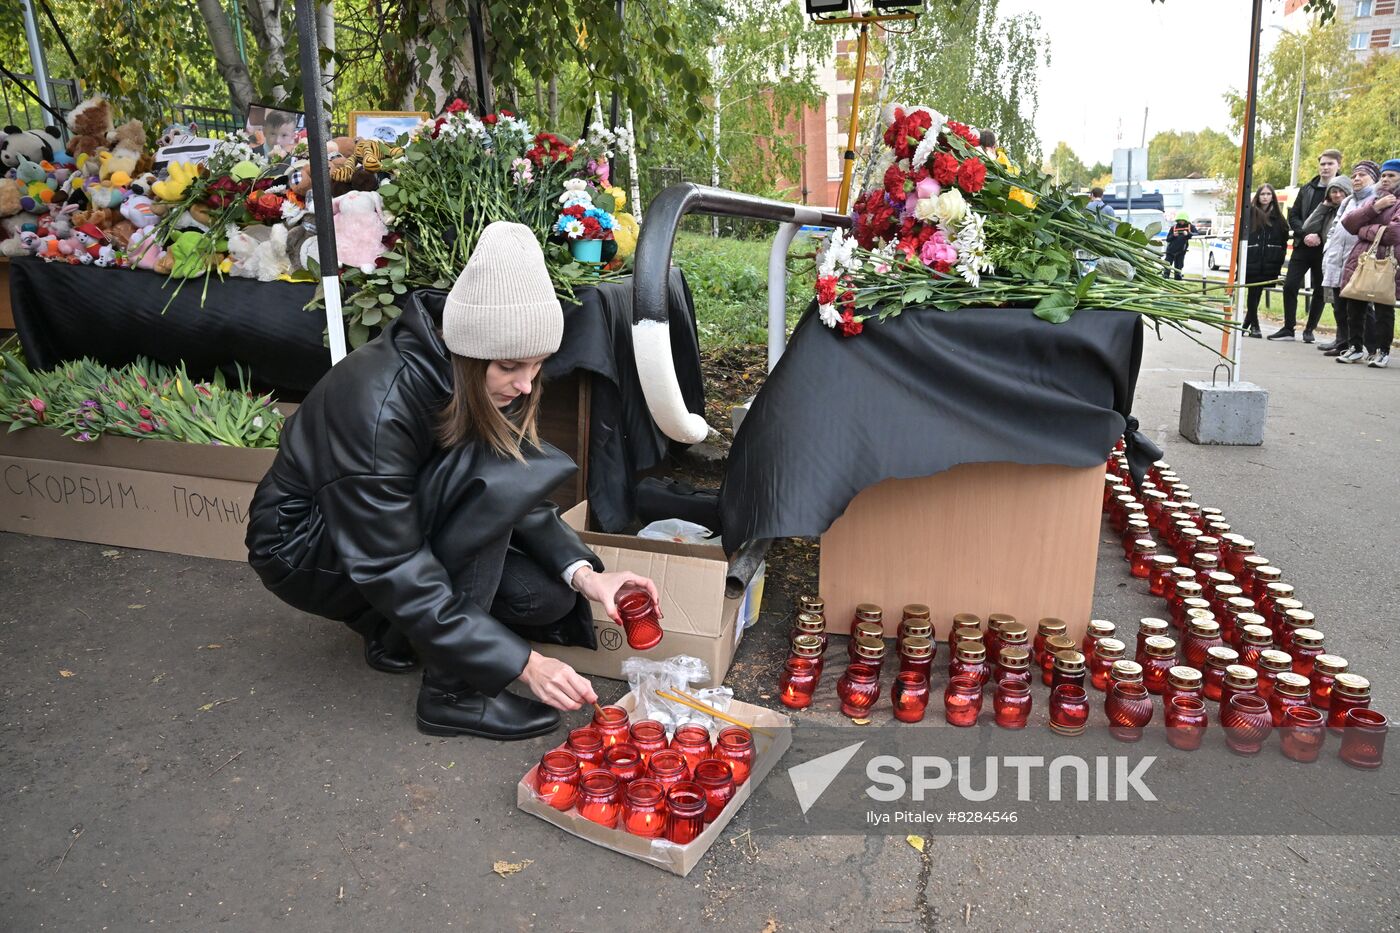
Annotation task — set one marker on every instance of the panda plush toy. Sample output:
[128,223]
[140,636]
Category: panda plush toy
[43,145]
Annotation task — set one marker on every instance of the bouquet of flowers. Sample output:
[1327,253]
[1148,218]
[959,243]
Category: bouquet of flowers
[953,226]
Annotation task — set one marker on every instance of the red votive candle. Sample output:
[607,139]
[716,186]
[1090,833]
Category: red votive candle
[1069,709]
[1349,691]
[685,809]
[734,747]
[916,654]
[1105,652]
[667,768]
[962,700]
[640,620]
[718,782]
[1363,738]
[1186,722]
[970,660]
[1161,576]
[1048,628]
[910,696]
[797,683]
[611,721]
[1012,703]
[557,777]
[1247,723]
[1129,710]
[587,745]
[624,760]
[1054,646]
[692,741]
[649,737]
[1158,658]
[1326,667]
[809,648]
[858,689]
[600,798]
[644,809]
[1303,733]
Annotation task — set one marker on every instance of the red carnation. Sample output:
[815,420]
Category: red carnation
[965,131]
[507,113]
[850,327]
[826,289]
[915,127]
[945,168]
[894,183]
[972,175]
[894,130]
[490,119]
[457,106]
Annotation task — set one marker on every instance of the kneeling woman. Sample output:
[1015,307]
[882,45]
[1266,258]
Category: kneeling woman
[407,500]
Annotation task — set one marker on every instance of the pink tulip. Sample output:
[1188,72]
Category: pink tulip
[39,407]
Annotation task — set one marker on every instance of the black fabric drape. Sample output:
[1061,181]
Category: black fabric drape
[918,394]
[64,312]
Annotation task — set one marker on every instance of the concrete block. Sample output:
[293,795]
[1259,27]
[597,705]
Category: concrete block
[1223,413]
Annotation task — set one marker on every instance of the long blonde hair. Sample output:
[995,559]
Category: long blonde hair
[470,414]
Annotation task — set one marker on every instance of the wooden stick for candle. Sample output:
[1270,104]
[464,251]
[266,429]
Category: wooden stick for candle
[701,706]
[599,710]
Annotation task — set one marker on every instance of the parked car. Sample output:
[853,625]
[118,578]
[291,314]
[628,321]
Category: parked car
[1218,252]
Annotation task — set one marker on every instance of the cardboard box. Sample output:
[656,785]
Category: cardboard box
[158,495]
[699,620]
[980,538]
[676,859]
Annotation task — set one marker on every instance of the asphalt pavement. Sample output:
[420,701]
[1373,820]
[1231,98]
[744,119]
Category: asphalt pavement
[183,752]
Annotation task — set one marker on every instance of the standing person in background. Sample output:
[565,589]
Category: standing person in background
[1307,249]
[1178,238]
[1338,248]
[1320,224]
[1099,209]
[1268,241]
[1377,221]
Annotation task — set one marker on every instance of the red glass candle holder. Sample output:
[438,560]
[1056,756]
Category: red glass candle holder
[587,745]
[1069,670]
[644,809]
[1186,722]
[1129,710]
[1306,646]
[667,768]
[1048,628]
[863,628]
[970,660]
[1183,681]
[1143,552]
[797,683]
[1203,635]
[1302,733]
[1054,646]
[916,654]
[1105,652]
[1015,664]
[1247,724]
[734,747]
[1159,657]
[624,760]
[600,798]
[1363,738]
[1160,578]
[808,648]
[809,623]
[692,741]
[858,689]
[1290,690]
[962,701]
[910,696]
[718,781]
[1069,709]
[1012,703]
[1097,628]
[557,777]
[649,737]
[1150,628]
[640,620]
[1239,679]
[1349,692]
[685,812]
[1326,667]
[611,721]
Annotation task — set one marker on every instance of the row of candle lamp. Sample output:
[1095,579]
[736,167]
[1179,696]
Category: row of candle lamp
[620,773]
[1240,620]
[1280,683]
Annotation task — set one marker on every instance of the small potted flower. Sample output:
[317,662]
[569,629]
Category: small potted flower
[584,224]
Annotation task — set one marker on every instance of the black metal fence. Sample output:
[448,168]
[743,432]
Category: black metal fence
[20,101]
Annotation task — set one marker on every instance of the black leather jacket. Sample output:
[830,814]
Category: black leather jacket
[340,520]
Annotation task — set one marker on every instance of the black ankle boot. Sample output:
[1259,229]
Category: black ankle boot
[390,652]
[505,717]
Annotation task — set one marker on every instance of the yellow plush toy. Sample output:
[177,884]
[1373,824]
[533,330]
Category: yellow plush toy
[173,189]
[626,233]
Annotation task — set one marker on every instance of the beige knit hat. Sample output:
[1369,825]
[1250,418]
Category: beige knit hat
[502,306]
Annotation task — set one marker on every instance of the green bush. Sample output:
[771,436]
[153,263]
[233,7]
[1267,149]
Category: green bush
[729,281]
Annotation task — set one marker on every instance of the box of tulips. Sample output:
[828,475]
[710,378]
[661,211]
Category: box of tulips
[627,784]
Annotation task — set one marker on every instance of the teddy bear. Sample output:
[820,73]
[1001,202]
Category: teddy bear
[575,193]
[128,141]
[42,145]
[259,252]
[89,126]
[360,228]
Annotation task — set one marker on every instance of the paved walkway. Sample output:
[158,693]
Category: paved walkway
[234,766]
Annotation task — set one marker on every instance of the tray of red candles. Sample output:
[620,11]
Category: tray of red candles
[625,784]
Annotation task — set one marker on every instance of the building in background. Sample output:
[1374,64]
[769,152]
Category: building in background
[822,129]
[1370,25]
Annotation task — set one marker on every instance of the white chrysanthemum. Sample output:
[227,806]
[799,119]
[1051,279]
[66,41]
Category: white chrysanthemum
[829,315]
[574,229]
[971,244]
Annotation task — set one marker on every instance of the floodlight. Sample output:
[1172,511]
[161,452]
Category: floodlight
[825,7]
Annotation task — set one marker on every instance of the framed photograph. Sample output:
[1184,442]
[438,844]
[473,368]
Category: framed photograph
[384,125]
[273,130]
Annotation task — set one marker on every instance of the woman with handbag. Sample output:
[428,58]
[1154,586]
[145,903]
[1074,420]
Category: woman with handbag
[1371,273]
[1268,242]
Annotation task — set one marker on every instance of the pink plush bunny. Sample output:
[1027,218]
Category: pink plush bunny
[360,228]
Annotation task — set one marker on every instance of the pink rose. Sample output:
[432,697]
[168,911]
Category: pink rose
[928,188]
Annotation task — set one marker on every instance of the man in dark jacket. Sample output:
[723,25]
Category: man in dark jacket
[1307,248]
[1178,238]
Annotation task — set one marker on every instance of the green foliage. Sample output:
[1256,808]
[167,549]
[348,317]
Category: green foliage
[977,67]
[1364,123]
[729,280]
[1209,153]
[1067,168]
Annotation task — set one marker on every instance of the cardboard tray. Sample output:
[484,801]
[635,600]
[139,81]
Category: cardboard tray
[676,859]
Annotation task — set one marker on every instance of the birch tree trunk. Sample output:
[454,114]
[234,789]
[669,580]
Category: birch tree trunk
[231,67]
[265,19]
[325,29]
